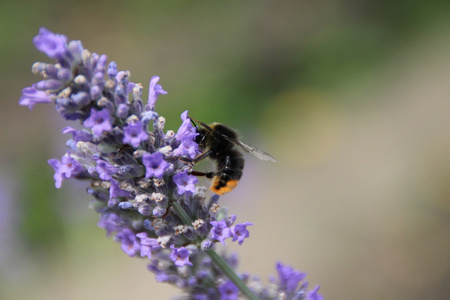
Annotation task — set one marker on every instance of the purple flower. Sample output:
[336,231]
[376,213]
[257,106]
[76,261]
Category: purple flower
[185,183]
[228,291]
[134,134]
[147,244]
[115,191]
[289,278]
[78,135]
[67,168]
[32,96]
[180,256]
[220,231]
[52,44]
[105,169]
[240,232]
[154,91]
[155,165]
[99,122]
[313,295]
[127,238]
[187,148]
[110,223]
[186,130]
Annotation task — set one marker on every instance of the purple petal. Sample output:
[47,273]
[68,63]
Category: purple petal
[32,96]
[52,44]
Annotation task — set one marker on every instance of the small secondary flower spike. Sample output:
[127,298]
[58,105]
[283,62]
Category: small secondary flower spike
[143,192]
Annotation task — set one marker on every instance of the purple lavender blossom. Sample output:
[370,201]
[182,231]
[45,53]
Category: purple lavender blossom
[240,232]
[289,278]
[134,134]
[130,244]
[52,44]
[220,231]
[105,169]
[99,122]
[187,148]
[31,96]
[180,256]
[186,130]
[110,222]
[115,191]
[313,295]
[185,183]
[78,135]
[147,244]
[228,291]
[154,91]
[67,168]
[155,165]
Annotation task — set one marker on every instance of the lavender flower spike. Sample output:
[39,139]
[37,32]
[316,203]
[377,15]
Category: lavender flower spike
[145,194]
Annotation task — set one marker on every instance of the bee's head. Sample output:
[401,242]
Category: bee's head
[202,138]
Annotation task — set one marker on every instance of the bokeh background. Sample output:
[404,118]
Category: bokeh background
[352,98]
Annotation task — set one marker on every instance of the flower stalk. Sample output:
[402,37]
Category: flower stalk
[225,268]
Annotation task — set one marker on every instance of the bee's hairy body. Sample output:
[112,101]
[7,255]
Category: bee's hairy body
[221,144]
[229,160]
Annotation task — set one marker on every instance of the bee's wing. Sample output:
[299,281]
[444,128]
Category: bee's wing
[256,152]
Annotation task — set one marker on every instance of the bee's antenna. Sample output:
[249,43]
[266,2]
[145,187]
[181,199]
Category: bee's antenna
[193,123]
[201,123]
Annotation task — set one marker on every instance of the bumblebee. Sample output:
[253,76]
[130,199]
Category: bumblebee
[221,144]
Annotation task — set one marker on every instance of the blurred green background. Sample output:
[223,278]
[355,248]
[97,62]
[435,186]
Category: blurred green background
[351,97]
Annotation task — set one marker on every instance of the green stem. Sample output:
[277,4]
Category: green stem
[228,271]
[182,214]
[220,263]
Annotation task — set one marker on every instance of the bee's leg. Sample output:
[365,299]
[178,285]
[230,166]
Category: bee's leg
[206,174]
[196,159]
